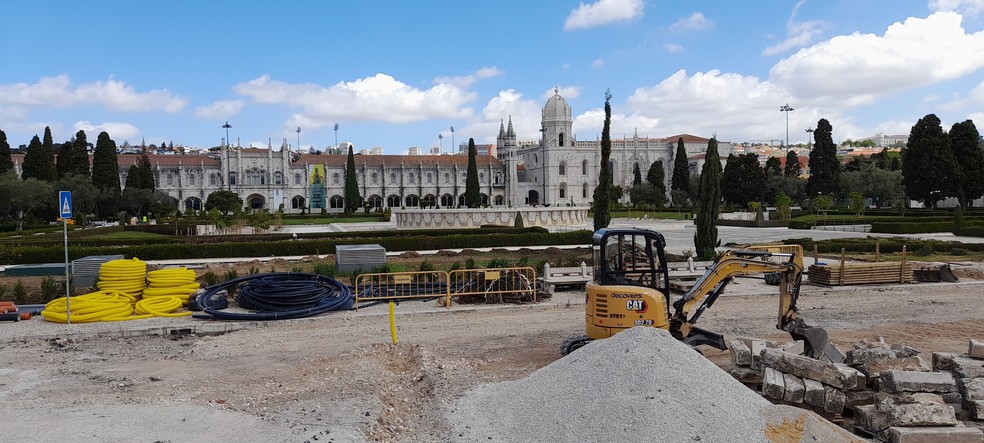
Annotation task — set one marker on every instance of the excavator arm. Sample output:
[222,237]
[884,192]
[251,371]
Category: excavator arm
[734,263]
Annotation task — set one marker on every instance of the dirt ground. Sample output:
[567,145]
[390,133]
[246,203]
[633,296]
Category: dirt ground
[338,378]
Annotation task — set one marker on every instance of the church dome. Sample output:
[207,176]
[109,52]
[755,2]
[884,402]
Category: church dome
[556,108]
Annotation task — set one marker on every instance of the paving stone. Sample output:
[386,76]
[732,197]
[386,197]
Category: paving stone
[857,357]
[795,390]
[950,434]
[814,392]
[976,349]
[741,354]
[874,368]
[868,418]
[833,399]
[917,414]
[746,374]
[910,381]
[794,347]
[837,375]
[773,385]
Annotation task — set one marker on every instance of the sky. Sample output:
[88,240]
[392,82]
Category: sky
[397,74]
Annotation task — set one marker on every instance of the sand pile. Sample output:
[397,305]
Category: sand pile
[641,385]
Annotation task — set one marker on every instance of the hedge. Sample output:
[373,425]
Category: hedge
[886,245]
[911,227]
[50,254]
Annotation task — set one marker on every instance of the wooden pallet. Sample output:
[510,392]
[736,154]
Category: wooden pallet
[861,273]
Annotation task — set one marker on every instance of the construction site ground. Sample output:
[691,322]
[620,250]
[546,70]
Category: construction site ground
[338,377]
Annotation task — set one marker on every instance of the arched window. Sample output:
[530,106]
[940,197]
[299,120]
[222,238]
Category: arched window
[584,190]
[447,177]
[412,178]
[255,201]
[336,202]
[428,200]
[193,204]
[297,178]
[560,139]
[481,177]
[232,178]
[413,201]
[213,179]
[375,201]
[170,179]
[393,179]
[278,178]
[447,200]
[563,168]
[335,178]
[297,202]
[563,190]
[375,178]
[191,178]
[584,167]
[393,201]
[611,172]
[485,200]
[430,178]
[499,200]
[498,178]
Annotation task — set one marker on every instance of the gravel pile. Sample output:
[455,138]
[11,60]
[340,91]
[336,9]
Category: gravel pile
[641,385]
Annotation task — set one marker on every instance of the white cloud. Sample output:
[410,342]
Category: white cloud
[568,92]
[977,94]
[798,34]
[970,8]
[118,131]
[598,63]
[377,98]
[565,66]
[976,117]
[696,22]
[220,110]
[673,48]
[464,81]
[602,13]
[115,95]
[525,115]
[855,69]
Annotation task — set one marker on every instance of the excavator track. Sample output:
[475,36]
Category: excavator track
[574,343]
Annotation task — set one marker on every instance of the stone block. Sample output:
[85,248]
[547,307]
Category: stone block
[794,347]
[917,414]
[962,365]
[976,349]
[757,347]
[944,361]
[814,392]
[747,375]
[971,388]
[795,390]
[909,381]
[885,402]
[857,357]
[950,434]
[975,409]
[741,355]
[833,399]
[859,398]
[903,351]
[773,385]
[837,375]
[951,397]
[871,420]
[874,368]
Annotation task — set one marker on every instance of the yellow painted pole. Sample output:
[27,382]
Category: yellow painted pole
[393,321]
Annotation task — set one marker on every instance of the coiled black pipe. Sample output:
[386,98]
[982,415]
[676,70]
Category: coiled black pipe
[277,296]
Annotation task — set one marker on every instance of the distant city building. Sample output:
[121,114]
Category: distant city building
[885,141]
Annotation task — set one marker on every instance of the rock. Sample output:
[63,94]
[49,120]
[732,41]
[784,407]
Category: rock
[951,397]
[859,398]
[773,384]
[836,375]
[814,392]
[962,365]
[904,351]
[975,409]
[869,419]
[934,435]
[795,390]
[917,414]
[857,357]
[746,375]
[741,354]
[797,347]
[757,348]
[972,388]
[874,368]
[886,402]
[833,399]
[976,349]
[909,381]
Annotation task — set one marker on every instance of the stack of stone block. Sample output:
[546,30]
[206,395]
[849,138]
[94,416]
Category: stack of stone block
[968,370]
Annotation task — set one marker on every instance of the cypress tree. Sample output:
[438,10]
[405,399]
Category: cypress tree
[602,203]
[965,143]
[636,175]
[36,165]
[146,173]
[80,155]
[353,200]
[681,168]
[6,163]
[133,178]
[927,162]
[473,198]
[709,189]
[657,178]
[792,168]
[772,167]
[106,175]
[824,166]
[64,159]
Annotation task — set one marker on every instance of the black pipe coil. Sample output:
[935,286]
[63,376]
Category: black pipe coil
[276,296]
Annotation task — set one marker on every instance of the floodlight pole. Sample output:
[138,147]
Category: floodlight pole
[786,108]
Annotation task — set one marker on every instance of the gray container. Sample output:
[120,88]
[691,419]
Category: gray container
[364,258]
[85,271]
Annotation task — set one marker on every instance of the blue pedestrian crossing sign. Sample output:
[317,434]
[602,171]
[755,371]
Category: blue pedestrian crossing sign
[65,204]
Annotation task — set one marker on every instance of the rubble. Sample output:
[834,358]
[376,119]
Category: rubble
[833,374]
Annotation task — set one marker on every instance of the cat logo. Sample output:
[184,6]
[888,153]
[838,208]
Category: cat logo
[635,305]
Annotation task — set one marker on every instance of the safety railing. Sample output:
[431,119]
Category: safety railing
[497,285]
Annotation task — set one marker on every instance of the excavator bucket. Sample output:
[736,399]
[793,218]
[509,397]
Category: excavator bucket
[818,344]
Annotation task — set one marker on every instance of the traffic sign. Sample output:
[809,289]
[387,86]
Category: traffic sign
[65,204]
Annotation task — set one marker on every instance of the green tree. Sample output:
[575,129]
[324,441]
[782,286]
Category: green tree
[6,162]
[353,200]
[927,162]
[857,203]
[709,190]
[146,173]
[792,168]
[784,204]
[85,195]
[824,166]
[656,177]
[473,198]
[742,180]
[680,180]
[19,198]
[224,201]
[133,178]
[106,175]
[636,175]
[80,155]
[773,167]
[966,145]
[135,200]
[162,204]
[39,162]
[602,197]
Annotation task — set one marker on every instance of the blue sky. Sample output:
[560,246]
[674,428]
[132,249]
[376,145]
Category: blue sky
[397,74]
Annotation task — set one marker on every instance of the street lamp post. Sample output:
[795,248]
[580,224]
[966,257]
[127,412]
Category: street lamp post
[298,139]
[440,141]
[225,152]
[786,108]
[452,140]
[336,136]
[227,126]
[809,138]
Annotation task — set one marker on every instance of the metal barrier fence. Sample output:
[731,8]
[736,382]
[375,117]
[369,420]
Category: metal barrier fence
[497,285]
[402,285]
[786,250]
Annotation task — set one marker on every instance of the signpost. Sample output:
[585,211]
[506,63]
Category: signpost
[65,212]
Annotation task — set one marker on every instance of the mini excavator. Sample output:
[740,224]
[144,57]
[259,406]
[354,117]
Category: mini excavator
[631,288]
